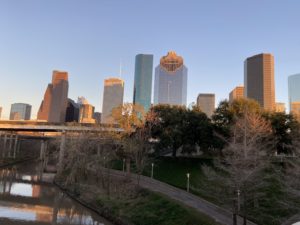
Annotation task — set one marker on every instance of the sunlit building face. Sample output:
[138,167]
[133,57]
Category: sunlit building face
[259,80]
[170,85]
[20,111]
[112,97]
[54,105]
[293,89]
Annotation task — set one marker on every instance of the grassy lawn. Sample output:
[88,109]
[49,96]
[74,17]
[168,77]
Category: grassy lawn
[271,209]
[174,171]
[148,208]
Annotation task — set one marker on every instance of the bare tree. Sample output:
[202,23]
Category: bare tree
[136,136]
[244,158]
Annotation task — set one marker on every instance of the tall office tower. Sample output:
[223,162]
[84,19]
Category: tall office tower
[294,89]
[20,111]
[72,113]
[143,80]
[97,117]
[86,111]
[0,112]
[170,85]
[112,98]
[280,107]
[206,102]
[54,106]
[259,80]
[236,93]
[295,110]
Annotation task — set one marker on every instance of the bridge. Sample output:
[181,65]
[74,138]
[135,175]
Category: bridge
[40,126]
[12,133]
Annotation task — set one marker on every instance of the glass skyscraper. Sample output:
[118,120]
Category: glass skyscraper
[170,85]
[112,97]
[293,89]
[143,80]
[20,111]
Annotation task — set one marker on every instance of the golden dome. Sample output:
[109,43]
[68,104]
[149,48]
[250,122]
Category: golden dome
[171,62]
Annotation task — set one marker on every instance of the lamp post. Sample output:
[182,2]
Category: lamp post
[123,165]
[188,182]
[238,200]
[152,165]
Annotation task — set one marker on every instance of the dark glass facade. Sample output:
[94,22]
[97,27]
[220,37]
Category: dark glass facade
[143,80]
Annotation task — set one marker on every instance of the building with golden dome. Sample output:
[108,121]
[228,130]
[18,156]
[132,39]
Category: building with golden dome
[170,85]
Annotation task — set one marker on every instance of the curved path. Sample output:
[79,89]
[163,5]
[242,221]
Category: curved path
[220,215]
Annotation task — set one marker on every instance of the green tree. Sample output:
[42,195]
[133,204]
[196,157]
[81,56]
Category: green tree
[227,114]
[198,131]
[285,130]
[170,129]
[179,127]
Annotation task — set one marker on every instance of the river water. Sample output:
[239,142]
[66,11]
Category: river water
[26,199]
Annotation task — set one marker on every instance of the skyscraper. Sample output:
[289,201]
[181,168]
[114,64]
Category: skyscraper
[295,110]
[259,80]
[294,89]
[97,117]
[280,107]
[20,111]
[143,80]
[86,111]
[206,102]
[112,97]
[170,81]
[53,107]
[236,93]
[72,113]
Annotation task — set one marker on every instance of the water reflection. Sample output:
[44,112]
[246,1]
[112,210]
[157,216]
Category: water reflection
[25,199]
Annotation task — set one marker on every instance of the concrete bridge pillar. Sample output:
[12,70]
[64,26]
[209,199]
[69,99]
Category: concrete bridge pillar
[4,146]
[19,146]
[1,141]
[15,146]
[42,150]
[62,151]
[11,138]
[43,156]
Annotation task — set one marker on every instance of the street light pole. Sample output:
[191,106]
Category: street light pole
[152,165]
[188,182]
[238,200]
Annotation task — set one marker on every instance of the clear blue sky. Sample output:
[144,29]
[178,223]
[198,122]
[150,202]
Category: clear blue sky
[88,38]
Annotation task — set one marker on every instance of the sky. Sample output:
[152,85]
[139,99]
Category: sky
[89,39]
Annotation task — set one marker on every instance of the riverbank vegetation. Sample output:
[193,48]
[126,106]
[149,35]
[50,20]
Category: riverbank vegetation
[243,158]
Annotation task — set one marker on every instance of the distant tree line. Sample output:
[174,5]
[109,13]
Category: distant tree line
[187,129]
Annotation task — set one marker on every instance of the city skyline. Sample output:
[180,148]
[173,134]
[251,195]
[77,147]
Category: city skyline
[212,40]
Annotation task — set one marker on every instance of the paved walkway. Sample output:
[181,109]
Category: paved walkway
[220,215]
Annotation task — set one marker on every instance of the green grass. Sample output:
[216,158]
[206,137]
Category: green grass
[148,208]
[271,209]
